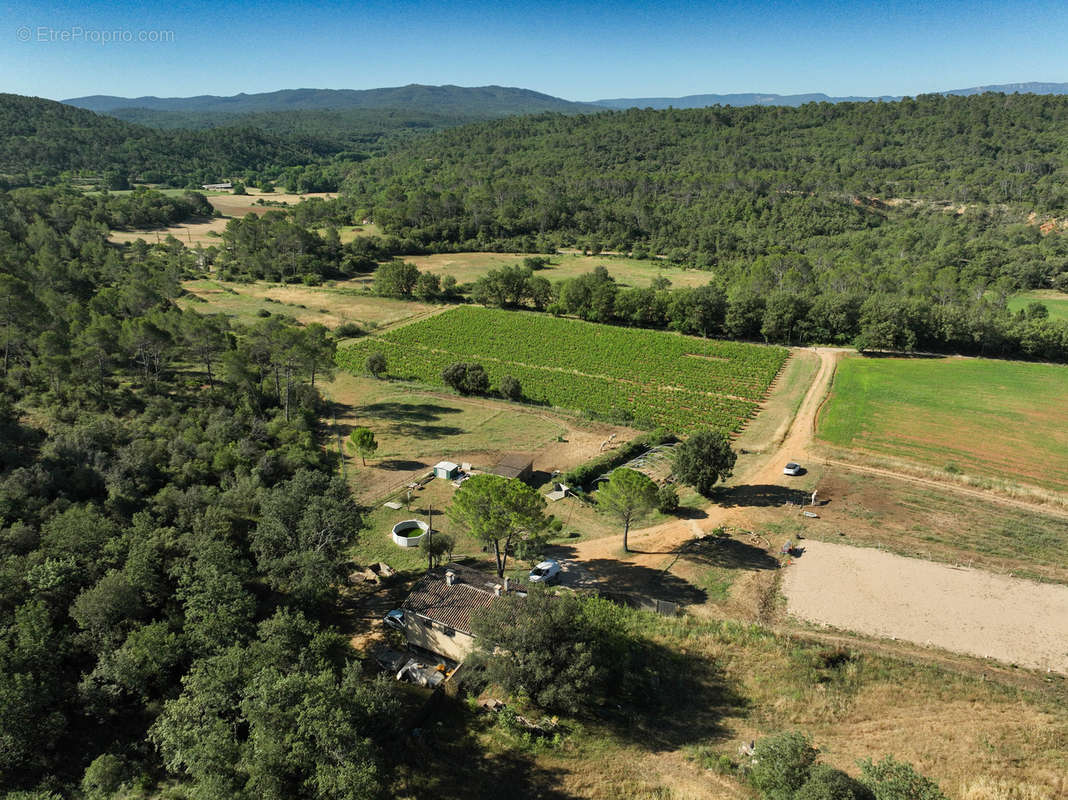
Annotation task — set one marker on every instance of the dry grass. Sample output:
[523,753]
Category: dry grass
[329,306]
[468,267]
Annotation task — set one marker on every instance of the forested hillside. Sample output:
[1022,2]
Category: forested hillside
[723,180]
[171,533]
[40,139]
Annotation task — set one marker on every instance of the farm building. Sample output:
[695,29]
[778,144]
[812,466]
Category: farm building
[514,465]
[446,469]
[217,187]
[437,613]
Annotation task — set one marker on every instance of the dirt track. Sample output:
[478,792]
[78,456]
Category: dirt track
[964,610]
[763,469]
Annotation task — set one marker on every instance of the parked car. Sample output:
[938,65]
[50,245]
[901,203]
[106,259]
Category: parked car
[545,572]
[793,469]
[395,619]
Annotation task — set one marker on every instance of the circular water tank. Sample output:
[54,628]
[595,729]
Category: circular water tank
[409,532]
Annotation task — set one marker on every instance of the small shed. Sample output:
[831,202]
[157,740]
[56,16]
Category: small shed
[515,465]
[446,469]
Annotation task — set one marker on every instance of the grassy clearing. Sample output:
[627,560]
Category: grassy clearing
[1055,302]
[416,428]
[939,525]
[743,682]
[327,305]
[996,419]
[639,272]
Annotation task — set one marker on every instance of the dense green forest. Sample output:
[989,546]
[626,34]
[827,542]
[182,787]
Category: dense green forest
[40,141]
[171,533]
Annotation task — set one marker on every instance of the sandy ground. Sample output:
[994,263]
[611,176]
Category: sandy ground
[959,609]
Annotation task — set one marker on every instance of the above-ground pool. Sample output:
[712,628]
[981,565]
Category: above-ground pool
[409,532]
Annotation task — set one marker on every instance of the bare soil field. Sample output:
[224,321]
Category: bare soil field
[956,608]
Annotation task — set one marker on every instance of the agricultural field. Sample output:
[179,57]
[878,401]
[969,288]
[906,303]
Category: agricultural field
[331,306]
[639,272]
[1000,420]
[643,377]
[1055,302]
[207,231]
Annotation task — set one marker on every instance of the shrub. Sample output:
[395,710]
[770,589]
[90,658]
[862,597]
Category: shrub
[466,378]
[376,364]
[511,388]
[667,499]
[348,330]
[827,783]
[781,764]
[897,780]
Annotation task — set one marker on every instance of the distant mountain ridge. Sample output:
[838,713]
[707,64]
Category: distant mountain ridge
[480,101]
[770,99]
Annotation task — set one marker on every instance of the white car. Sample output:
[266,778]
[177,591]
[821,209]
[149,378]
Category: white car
[792,469]
[545,572]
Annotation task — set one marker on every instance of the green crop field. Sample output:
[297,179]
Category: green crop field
[640,376]
[1055,302]
[1000,419]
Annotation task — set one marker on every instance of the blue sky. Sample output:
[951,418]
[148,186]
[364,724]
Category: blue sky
[581,51]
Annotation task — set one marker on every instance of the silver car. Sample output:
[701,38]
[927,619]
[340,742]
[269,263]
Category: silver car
[792,469]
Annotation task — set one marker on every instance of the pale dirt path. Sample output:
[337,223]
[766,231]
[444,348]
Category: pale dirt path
[963,610]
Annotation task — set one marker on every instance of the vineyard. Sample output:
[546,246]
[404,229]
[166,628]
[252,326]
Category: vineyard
[647,378]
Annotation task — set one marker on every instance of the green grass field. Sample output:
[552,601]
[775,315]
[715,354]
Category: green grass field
[995,419]
[640,272]
[1055,302]
[621,374]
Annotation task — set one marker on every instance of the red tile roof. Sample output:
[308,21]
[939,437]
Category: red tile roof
[454,605]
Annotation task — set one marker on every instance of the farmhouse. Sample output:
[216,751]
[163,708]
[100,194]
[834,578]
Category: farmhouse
[514,465]
[216,187]
[437,613]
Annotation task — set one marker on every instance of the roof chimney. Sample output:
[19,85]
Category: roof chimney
[507,584]
[496,590]
[450,577]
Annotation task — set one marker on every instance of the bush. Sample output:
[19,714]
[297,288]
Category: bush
[897,780]
[511,388]
[376,364]
[667,499]
[827,783]
[703,459]
[104,776]
[781,765]
[466,378]
[348,330]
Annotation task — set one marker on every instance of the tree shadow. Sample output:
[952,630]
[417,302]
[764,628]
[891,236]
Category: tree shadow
[406,412]
[690,512]
[723,551]
[401,464]
[759,495]
[668,698]
[446,759]
[414,431]
[621,578]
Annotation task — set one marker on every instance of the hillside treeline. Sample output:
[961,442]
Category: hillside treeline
[171,536]
[718,183]
[42,141]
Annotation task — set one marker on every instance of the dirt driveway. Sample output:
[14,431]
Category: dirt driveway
[964,610]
